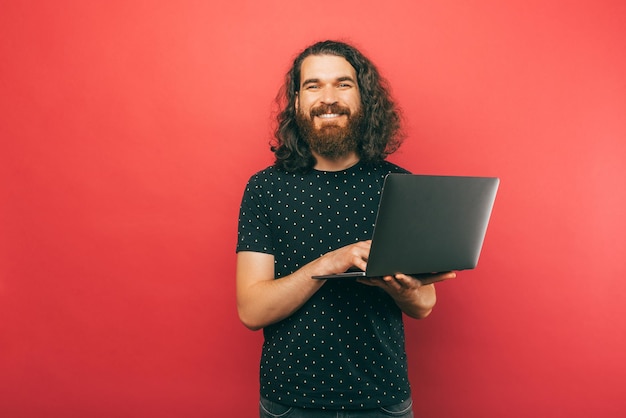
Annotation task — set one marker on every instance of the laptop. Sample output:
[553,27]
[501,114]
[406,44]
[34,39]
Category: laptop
[428,224]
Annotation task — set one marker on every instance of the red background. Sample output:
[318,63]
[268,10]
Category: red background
[129,128]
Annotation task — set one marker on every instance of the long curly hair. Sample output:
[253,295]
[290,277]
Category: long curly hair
[381,127]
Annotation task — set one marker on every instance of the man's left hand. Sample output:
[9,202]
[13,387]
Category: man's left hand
[415,295]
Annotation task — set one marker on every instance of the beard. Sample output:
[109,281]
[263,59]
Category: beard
[331,141]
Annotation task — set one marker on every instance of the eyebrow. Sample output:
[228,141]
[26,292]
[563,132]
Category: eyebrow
[338,80]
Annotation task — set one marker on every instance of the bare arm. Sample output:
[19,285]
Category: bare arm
[263,300]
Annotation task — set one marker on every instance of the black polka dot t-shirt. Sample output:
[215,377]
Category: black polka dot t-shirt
[344,348]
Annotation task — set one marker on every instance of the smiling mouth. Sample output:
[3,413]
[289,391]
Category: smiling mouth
[329,115]
[329,112]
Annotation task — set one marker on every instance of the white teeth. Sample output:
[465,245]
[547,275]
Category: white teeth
[329,115]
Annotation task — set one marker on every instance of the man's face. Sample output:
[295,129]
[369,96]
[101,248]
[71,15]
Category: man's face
[328,105]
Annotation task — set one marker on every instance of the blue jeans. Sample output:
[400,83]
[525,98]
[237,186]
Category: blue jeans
[269,409]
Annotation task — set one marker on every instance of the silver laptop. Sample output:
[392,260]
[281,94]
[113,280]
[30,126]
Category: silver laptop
[428,224]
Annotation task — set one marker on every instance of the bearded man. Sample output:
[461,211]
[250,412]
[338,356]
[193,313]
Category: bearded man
[330,347]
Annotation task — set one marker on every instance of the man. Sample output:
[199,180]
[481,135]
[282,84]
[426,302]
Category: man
[329,345]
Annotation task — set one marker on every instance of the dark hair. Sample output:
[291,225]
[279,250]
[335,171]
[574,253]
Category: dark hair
[381,133]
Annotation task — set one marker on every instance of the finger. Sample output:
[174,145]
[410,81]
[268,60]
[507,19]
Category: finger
[371,282]
[393,283]
[406,281]
[435,277]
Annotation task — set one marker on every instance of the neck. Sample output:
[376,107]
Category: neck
[335,164]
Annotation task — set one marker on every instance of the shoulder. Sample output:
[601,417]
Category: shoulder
[393,168]
[385,167]
[263,175]
[274,181]
[265,178]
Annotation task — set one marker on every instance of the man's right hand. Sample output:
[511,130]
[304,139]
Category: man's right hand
[345,258]
[263,300]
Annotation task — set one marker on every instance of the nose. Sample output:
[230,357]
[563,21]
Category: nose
[329,95]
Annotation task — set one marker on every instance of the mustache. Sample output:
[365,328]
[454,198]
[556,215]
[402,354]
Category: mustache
[332,108]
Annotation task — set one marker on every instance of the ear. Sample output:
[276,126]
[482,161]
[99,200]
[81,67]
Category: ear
[296,102]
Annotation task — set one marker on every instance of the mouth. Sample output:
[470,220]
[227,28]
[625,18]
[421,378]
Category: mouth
[330,112]
[329,115]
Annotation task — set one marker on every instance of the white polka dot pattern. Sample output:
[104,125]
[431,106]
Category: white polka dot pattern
[344,349]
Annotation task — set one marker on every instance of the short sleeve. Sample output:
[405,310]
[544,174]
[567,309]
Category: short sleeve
[254,225]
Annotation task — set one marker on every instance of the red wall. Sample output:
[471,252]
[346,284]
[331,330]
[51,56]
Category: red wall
[128,130]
